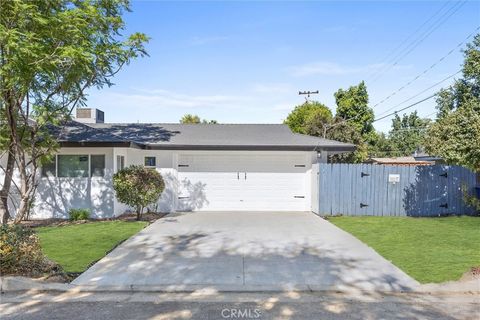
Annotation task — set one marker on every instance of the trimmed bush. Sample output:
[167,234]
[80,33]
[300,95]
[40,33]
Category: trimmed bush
[79,214]
[20,252]
[138,187]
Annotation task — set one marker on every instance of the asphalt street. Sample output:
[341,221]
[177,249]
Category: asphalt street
[214,305]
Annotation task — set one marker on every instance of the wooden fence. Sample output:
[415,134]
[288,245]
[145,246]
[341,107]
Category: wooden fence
[384,190]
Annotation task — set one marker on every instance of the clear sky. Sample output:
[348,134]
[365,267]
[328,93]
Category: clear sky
[244,62]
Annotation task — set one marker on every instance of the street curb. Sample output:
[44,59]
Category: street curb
[11,283]
[18,284]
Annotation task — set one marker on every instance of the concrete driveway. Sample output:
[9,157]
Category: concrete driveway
[245,251]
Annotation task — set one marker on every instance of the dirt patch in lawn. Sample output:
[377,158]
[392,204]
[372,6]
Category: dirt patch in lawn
[472,274]
[43,270]
[149,217]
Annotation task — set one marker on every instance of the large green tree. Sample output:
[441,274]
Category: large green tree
[190,119]
[352,105]
[352,108]
[353,121]
[380,146]
[455,136]
[194,119]
[407,134]
[50,53]
[345,131]
[465,90]
[311,118]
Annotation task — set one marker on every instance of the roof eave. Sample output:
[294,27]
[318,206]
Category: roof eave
[100,144]
[342,148]
[128,144]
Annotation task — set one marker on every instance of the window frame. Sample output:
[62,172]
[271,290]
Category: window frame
[154,162]
[43,174]
[120,158]
[89,155]
[87,175]
[90,174]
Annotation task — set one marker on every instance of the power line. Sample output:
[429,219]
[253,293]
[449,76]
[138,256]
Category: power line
[414,104]
[408,129]
[423,91]
[412,46]
[387,57]
[388,115]
[430,114]
[427,69]
[405,108]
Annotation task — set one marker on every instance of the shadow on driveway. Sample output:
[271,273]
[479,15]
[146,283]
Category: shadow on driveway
[246,251]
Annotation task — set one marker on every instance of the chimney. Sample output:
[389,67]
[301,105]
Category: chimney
[89,115]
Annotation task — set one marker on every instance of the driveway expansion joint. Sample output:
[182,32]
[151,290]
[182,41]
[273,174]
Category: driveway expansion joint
[243,269]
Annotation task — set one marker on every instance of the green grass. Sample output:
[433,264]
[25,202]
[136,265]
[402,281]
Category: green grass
[428,249]
[74,247]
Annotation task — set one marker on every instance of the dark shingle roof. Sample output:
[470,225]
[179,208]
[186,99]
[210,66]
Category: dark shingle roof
[217,136]
[73,132]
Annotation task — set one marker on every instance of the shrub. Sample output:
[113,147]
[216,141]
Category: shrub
[138,187]
[471,200]
[20,252]
[79,214]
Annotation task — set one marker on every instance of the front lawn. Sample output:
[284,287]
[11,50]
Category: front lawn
[75,247]
[428,249]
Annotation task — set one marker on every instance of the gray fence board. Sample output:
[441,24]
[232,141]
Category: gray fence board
[364,189]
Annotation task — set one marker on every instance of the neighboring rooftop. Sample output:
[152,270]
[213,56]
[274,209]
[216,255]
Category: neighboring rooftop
[399,161]
[198,136]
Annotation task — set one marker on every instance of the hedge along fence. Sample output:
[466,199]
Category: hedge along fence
[390,190]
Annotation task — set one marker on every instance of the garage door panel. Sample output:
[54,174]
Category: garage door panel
[272,183]
[242,163]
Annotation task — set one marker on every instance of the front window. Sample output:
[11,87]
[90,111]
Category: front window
[150,162]
[50,168]
[97,165]
[73,166]
[120,162]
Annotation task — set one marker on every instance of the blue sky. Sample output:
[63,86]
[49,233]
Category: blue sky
[244,62]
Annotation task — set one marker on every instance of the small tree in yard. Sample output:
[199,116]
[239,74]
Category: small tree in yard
[138,187]
[51,53]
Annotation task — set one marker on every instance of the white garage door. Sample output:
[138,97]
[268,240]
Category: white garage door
[240,182]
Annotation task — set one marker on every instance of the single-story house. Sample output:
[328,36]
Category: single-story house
[205,166]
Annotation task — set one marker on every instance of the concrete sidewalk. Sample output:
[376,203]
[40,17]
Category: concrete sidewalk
[249,251]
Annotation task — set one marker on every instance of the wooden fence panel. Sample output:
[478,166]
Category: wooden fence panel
[384,190]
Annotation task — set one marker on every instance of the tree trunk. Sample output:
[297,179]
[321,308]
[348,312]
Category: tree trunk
[7,182]
[27,194]
[27,184]
[139,212]
[10,114]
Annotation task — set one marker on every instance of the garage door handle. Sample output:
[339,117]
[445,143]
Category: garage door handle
[238,175]
[245,176]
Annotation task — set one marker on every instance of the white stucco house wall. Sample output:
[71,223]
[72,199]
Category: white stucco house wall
[238,167]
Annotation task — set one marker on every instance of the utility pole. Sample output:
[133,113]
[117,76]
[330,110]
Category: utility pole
[307,93]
